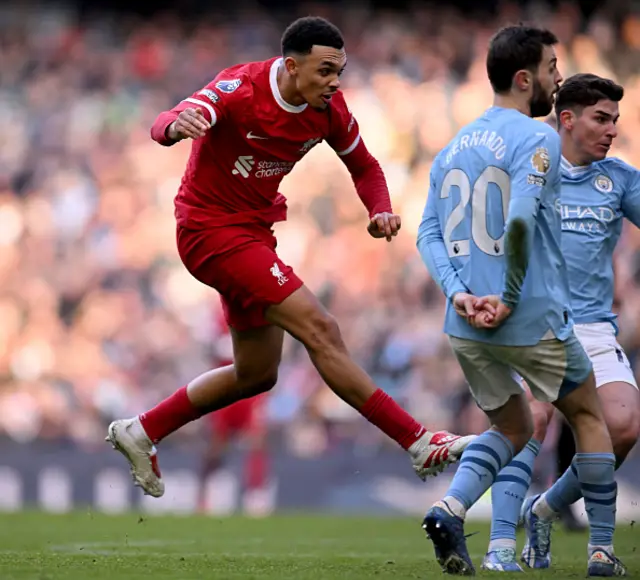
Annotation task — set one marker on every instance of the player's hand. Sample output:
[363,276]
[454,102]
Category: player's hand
[493,313]
[190,124]
[384,225]
[469,306]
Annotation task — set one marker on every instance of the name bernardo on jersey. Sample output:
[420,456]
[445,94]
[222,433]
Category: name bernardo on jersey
[489,139]
[501,155]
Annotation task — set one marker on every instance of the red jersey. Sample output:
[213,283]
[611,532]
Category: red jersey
[233,173]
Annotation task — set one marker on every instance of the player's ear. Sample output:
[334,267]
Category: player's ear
[523,80]
[291,65]
[566,119]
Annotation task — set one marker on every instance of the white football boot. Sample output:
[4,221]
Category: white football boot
[128,437]
[434,451]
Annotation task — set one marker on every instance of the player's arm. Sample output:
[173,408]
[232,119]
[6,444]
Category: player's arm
[433,250]
[367,175]
[189,119]
[535,167]
[630,202]
[630,206]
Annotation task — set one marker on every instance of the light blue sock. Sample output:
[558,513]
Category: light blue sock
[508,493]
[596,473]
[591,476]
[565,491]
[480,464]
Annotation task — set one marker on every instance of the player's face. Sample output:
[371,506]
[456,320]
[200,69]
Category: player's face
[318,75]
[595,129]
[545,84]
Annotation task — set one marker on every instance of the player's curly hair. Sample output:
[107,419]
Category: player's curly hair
[585,90]
[514,48]
[302,34]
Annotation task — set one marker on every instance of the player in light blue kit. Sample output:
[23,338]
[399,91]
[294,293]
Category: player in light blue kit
[596,194]
[490,237]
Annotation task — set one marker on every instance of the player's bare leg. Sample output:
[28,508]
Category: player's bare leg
[542,414]
[256,358]
[583,411]
[620,404]
[304,317]
[593,463]
[621,408]
[257,354]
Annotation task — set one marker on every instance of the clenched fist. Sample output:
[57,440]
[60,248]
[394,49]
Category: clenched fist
[190,124]
[384,225]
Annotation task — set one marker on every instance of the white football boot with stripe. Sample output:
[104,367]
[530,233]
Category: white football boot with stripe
[434,451]
[129,438]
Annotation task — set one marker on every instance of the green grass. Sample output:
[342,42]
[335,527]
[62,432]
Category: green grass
[90,546]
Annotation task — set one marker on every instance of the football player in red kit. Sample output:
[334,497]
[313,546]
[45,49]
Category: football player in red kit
[242,421]
[249,127]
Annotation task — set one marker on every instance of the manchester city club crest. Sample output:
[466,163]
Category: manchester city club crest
[603,183]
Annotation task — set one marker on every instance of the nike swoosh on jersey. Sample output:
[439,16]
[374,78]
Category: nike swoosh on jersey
[250,135]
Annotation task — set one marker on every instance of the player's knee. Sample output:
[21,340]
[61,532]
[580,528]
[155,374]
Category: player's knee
[542,414]
[253,382]
[266,383]
[624,431]
[514,421]
[322,333]
[518,438]
[518,433]
[582,409]
[521,438]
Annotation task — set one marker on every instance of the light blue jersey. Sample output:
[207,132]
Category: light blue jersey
[495,188]
[594,200]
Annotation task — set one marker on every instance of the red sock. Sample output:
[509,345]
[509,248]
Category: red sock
[256,469]
[168,416]
[381,410]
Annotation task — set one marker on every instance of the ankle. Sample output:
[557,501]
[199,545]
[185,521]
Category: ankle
[138,432]
[453,506]
[543,510]
[502,544]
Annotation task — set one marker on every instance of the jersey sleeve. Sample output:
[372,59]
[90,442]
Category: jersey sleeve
[344,133]
[630,203]
[536,163]
[433,250]
[215,101]
[206,99]
[218,96]
[535,167]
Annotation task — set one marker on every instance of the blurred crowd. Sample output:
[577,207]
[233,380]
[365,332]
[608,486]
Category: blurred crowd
[99,317]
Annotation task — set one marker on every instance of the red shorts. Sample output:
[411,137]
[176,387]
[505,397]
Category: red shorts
[245,416]
[241,263]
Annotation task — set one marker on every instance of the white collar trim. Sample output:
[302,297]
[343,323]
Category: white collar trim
[273,82]
[573,169]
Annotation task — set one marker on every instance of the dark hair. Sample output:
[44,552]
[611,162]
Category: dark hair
[514,48]
[584,90]
[302,34]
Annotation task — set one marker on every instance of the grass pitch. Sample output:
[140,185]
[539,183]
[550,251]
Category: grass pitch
[91,546]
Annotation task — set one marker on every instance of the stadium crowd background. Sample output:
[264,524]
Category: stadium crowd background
[99,317]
